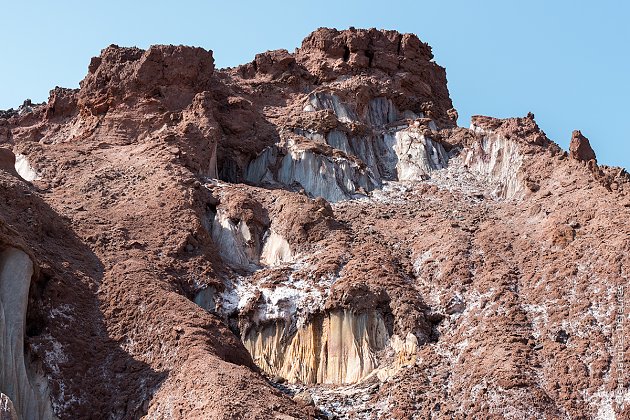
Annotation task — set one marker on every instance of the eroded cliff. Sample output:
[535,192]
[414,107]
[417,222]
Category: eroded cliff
[212,242]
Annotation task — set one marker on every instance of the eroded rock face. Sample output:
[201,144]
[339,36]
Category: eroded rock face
[210,242]
[175,74]
[580,148]
[23,384]
[416,155]
[339,164]
[499,160]
[340,348]
[330,177]
[24,168]
[7,161]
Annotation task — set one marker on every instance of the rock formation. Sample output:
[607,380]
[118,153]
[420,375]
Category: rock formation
[7,410]
[309,235]
[580,148]
[18,376]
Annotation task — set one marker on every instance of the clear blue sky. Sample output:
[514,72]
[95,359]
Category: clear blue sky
[568,61]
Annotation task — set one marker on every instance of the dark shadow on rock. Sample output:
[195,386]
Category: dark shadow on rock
[90,375]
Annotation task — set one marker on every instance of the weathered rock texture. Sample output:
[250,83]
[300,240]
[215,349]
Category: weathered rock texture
[7,410]
[18,377]
[580,148]
[180,241]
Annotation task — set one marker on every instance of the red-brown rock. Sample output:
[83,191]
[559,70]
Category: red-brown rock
[580,148]
[320,209]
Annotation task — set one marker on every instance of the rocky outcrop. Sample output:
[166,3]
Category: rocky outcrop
[498,160]
[24,168]
[500,151]
[338,348]
[174,74]
[26,387]
[403,57]
[309,234]
[580,148]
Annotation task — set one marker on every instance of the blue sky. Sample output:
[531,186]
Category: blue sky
[567,61]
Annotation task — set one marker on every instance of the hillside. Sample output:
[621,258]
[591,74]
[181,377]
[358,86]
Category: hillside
[309,235]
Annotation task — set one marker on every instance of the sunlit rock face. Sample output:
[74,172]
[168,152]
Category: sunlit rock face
[276,250]
[355,236]
[338,348]
[415,155]
[24,168]
[499,161]
[405,355]
[393,146]
[242,246]
[379,111]
[237,244]
[27,389]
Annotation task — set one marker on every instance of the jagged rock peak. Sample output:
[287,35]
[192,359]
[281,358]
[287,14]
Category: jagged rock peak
[580,148]
[400,60]
[162,71]
[522,128]
[384,49]
[163,61]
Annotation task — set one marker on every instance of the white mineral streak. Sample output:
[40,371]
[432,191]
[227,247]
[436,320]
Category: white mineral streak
[24,168]
[291,335]
[27,389]
[405,355]
[499,160]
[333,178]
[416,156]
[381,111]
[293,301]
[240,248]
[338,349]
[276,250]
[398,153]
[258,171]
[234,241]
